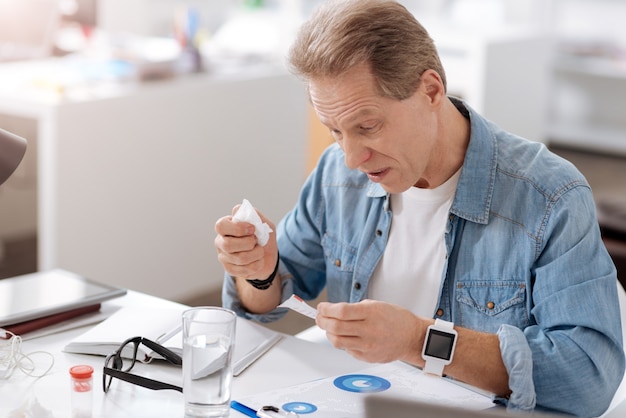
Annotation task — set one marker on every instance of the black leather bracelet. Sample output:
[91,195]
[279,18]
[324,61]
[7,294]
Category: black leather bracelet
[265,284]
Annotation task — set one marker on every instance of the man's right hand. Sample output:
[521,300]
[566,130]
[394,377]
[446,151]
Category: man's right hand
[240,253]
[243,258]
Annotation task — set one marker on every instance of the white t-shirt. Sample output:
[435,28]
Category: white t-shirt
[410,271]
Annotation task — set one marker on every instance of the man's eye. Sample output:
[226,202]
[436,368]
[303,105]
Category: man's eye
[368,127]
[335,133]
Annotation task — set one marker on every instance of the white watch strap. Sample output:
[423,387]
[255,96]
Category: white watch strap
[444,324]
[436,367]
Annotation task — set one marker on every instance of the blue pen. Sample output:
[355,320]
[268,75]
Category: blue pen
[247,411]
[192,25]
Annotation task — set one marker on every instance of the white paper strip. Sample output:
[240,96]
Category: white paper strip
[295,303]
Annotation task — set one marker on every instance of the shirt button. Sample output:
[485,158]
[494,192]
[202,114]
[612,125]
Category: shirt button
[357,286]
[338,262]
[491,305]
[379,232]
[439,312]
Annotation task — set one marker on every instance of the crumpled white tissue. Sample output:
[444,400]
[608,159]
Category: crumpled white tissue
[246,213]
[31,408]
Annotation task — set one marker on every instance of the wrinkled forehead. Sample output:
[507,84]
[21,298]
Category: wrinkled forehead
[353,95]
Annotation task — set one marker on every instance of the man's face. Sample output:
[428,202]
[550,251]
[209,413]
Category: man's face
[389,140]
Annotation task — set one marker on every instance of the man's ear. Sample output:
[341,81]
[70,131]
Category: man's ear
[432,86]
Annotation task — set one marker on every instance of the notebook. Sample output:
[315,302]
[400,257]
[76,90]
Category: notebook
[164,326]
[41,294]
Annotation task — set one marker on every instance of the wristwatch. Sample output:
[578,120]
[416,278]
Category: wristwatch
[265,284]
[439,346]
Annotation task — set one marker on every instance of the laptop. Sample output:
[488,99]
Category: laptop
[37,295]
[377,406]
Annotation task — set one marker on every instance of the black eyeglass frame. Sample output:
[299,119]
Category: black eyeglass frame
[117,371]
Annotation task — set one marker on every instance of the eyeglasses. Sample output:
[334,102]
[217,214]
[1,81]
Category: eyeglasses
[114,366]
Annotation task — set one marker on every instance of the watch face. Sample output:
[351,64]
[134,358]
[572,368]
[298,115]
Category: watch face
[439,344]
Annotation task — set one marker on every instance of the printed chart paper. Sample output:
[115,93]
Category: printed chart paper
[343,396]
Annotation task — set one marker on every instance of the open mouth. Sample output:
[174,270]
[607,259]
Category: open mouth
[377,175]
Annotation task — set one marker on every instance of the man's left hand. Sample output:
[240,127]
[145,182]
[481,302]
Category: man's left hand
[373,331]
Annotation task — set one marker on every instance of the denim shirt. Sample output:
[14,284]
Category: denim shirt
[525,260]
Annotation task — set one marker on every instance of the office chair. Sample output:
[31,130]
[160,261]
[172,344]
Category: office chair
[12,150]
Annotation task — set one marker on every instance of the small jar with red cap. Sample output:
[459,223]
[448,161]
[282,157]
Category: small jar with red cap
[81,385]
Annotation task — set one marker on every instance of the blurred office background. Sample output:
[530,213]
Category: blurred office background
[149,119]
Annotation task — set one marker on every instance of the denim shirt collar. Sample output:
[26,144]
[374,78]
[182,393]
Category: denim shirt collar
[476,184]
[475,189]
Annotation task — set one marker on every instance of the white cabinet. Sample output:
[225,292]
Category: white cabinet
[131,183]
[587,109]
[589,75]
[503,74]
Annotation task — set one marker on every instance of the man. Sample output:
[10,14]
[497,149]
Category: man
[424,210]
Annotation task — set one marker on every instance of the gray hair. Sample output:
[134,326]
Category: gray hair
[384,34]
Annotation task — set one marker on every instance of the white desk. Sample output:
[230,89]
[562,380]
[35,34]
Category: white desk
[290,362]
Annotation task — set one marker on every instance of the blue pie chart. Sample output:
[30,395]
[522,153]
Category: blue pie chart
[300,407]
[362,383]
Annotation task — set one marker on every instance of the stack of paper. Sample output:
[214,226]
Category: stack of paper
[164,326]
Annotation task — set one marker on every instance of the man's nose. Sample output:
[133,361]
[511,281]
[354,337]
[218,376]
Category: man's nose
[355,152]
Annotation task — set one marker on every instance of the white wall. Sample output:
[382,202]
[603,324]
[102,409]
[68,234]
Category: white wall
[156,17]
[590,20]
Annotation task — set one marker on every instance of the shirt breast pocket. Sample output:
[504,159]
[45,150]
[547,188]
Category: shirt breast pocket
[485,305]
[340,260]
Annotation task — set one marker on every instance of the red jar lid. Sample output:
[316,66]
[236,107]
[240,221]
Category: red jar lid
[81,371]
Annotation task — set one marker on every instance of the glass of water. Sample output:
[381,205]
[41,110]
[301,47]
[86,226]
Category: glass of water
[208,345]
